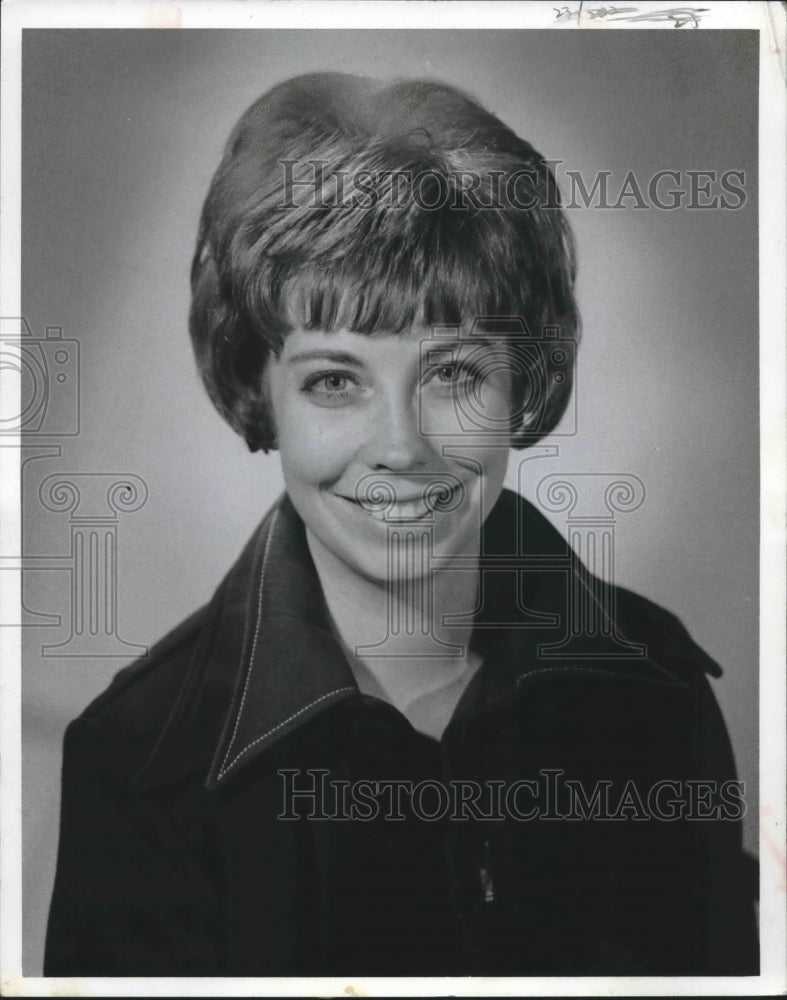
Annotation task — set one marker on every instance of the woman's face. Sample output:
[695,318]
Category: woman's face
[386,436]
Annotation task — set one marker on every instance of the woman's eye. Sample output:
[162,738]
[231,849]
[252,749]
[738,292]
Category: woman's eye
[453,376]
[331,388]
[447,373]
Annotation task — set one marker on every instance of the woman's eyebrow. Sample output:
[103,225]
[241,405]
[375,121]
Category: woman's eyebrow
[324,354]
[438,347]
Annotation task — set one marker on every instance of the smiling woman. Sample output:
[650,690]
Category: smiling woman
[411,734]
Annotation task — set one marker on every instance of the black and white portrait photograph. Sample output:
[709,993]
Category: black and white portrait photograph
[393,481]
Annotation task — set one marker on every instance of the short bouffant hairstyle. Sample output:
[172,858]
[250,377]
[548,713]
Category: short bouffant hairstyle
[343,202]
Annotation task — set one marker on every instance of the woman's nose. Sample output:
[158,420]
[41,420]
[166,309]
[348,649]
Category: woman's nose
[394,440]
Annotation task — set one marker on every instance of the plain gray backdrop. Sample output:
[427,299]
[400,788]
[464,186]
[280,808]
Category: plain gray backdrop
[121,133]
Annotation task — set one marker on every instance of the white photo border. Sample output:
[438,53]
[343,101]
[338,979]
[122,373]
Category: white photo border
[769,20]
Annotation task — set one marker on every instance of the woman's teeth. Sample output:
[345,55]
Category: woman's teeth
[404,510]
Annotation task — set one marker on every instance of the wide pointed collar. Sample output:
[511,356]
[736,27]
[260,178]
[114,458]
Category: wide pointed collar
[267,660]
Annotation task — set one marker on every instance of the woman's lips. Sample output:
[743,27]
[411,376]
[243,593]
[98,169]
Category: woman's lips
[416,508]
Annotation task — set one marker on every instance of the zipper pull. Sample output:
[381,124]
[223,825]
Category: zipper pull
[485,873]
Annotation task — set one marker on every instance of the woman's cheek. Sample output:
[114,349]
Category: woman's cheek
[316,447]
[477,413]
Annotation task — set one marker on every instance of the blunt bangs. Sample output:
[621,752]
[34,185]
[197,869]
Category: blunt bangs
[378,294]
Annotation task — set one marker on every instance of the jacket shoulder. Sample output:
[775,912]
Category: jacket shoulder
[668,643]
[122,721]
[666,637]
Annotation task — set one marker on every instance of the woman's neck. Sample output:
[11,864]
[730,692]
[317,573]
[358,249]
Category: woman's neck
[394,632]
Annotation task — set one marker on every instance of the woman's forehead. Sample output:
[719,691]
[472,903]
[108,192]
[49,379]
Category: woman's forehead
[414,341]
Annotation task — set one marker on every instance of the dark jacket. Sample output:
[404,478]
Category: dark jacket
[175,859]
